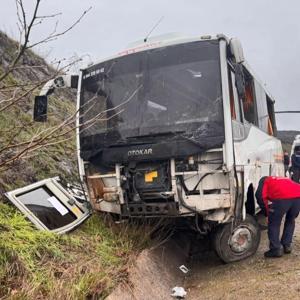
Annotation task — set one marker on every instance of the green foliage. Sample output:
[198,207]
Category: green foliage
[16,126]
[115,243]
[86,263]
[22,246]
[19,238]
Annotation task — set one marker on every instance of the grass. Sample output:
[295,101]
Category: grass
[58,159]
[85,264]
[21,248]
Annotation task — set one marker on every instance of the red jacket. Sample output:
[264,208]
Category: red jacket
[273,188]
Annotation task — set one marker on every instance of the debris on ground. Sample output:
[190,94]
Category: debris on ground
[178,292]
[184,269]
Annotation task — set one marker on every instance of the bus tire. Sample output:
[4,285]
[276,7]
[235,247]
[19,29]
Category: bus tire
[239,243]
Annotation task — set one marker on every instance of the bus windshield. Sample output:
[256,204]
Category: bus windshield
[169,89]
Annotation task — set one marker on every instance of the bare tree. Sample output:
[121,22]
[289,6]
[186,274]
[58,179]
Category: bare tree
[23,138]
[20,137]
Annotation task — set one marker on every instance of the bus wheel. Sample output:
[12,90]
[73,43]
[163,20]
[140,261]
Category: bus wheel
[234,244]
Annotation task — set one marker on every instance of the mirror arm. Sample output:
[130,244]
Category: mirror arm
[61,81]
[48,88]
[41,101]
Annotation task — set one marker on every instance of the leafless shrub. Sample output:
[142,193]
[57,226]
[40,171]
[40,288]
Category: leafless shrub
[20,137]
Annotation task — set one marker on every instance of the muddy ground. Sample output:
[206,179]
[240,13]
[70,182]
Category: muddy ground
[253,278]
[156,271]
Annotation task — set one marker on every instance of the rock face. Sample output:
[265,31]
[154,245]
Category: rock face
[287,136]
[31,67]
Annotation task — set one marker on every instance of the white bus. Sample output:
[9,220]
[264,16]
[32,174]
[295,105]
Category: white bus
[178,127]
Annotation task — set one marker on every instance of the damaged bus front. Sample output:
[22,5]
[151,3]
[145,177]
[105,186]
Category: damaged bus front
[177,127]
[152,125]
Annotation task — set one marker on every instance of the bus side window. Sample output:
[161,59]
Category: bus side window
[249,107]
[272,129]
[262,110]
[235,107]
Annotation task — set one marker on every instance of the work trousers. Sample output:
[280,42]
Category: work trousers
[279,208]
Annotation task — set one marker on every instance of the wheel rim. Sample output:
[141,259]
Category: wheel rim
[240,240]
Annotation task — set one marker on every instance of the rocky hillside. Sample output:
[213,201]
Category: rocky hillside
[16,124]
[287,137]
[40,265]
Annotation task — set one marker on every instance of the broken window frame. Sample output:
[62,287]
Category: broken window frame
[80,210]
[235,104]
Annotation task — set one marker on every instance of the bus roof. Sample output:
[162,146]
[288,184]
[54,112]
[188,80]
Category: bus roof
[174,39]
[157,42]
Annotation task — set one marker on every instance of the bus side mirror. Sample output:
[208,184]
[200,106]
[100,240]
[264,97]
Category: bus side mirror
[41,102]
[237,50]
[40,108]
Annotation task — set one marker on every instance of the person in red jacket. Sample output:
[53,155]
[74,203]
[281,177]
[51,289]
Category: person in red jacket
[279,196]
